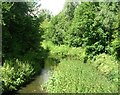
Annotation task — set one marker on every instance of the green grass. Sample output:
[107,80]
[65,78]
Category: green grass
[72,76]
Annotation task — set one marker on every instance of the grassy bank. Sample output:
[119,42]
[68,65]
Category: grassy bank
[19,72]
[73,75]
[16,73]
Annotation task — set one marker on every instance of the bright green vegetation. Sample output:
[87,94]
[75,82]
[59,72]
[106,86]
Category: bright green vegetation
[84,38]
[92,25]
[16,73]
[72,76]
[107,65]
[63,51]
[75,76]
[87,37]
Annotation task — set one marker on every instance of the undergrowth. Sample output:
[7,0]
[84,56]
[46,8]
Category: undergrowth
[72,75]
[15,73]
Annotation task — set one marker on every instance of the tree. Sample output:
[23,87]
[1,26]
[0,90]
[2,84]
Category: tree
[59,25]
[21,32]
[79,30]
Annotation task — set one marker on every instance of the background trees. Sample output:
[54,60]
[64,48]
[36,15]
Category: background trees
[93,25]
[59,25]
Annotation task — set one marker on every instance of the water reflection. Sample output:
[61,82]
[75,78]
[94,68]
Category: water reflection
[35,85]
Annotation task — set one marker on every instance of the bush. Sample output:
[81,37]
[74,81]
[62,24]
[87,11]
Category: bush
[15,73]
[107,65]
[64,51]
[116,46]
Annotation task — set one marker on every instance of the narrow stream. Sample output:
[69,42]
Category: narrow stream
[35,85]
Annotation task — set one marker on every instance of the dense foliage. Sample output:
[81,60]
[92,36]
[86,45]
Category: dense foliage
[94,26]
[108,66]
[72,58]
[21,51]
[57,27]
[64,51]
[21,32]
[86,32]
[77,77]
[15,73]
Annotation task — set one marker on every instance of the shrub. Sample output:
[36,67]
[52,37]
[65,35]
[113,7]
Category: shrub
[63,51]
[15,73]
[116,46]
[107,65]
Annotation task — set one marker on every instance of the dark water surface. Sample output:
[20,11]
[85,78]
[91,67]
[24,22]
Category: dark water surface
[35,85]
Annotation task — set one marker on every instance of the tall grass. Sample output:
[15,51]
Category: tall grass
[72,76]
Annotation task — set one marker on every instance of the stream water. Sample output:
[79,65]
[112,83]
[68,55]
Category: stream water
[35,85]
